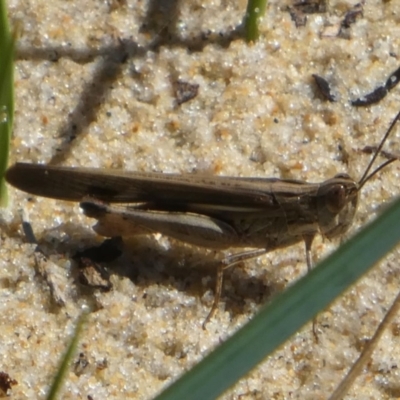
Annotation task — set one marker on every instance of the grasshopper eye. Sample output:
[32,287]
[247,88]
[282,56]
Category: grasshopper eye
[342,176]
[336,198]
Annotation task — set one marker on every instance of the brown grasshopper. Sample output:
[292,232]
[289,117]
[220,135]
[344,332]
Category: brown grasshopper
[214,212]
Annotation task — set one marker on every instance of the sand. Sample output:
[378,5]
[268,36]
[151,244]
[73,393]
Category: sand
[95,88]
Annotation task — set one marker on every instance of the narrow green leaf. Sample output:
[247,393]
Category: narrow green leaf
[255,10]
[62,369]
[6,96]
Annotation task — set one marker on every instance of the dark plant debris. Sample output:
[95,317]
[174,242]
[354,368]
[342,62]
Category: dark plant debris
[324,88]
[185,91]
[6,383]
[299,10]
[380,92]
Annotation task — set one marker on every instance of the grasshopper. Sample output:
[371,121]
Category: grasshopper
[214,212]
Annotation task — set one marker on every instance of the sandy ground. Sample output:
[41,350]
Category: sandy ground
[95,88]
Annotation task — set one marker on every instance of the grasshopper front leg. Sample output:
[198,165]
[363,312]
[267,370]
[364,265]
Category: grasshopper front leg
[308,239]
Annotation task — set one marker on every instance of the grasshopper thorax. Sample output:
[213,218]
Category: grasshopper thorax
[336,204]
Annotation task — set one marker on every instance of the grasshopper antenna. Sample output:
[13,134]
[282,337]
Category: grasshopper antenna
[365,178]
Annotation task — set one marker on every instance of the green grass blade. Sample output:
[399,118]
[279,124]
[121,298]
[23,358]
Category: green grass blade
[288,312]
[255,10]
[6,96]
[59,378]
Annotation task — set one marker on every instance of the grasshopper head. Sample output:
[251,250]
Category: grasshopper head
[337,203]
